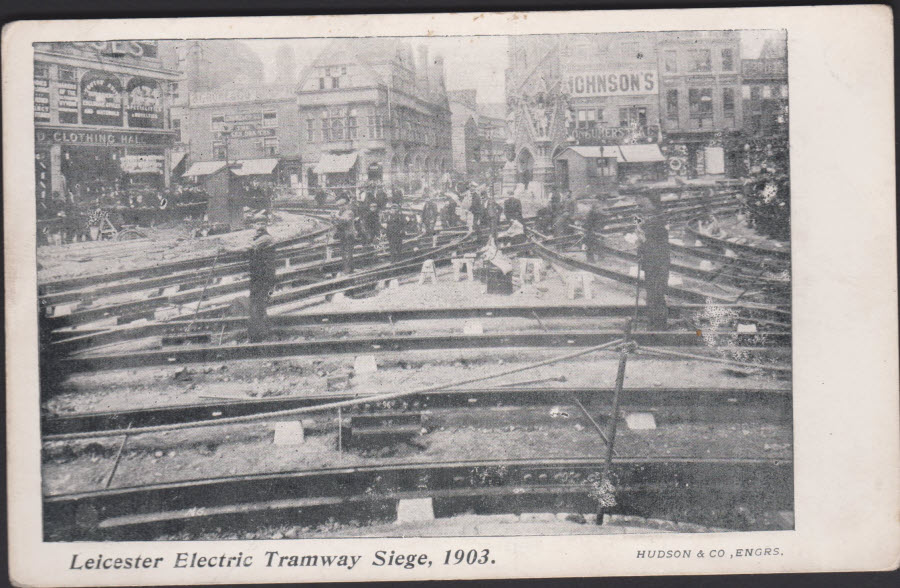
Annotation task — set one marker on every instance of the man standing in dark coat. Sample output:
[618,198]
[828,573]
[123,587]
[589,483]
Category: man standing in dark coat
[394,229]
[345,232]
[429,217]
[593,224]
[653,249]
[262,280]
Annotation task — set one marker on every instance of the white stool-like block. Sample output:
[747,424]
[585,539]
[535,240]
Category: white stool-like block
[675,280]
[288,433]
[414,510]
[428,272]
[394,283]
[706,265]
[365,364]
[640,421]
[730,253]
[473,328]
[748,329]
[338,297]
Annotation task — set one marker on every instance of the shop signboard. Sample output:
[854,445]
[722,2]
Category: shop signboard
[244,117]
[101,101]
[41,99]
[68,96]
[616,135]
[236,95]
[250,132]
[140,164]
[64,136]
[613,83]
[144,104]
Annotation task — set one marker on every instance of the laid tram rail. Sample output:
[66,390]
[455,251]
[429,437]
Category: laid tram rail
[667,487]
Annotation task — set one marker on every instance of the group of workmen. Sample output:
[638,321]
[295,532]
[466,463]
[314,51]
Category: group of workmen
[367,218]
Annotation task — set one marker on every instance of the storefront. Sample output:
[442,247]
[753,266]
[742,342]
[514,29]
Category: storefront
[97,163]
[336,170]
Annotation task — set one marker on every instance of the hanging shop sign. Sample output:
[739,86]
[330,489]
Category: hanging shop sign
[615,83]
[51,136]
[101,101]
[144,104]
[142,164]
[249,132]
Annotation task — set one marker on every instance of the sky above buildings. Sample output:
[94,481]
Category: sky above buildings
[470,62]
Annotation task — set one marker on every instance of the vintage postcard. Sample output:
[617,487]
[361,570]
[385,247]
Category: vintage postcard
[450,296]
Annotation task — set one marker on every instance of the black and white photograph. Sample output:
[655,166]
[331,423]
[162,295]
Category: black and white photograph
[376,287]
[487,284]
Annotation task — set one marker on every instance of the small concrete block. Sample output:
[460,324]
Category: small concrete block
[365,364]
[473,328]
[63,309]
[706,265]
[744,328]
[698,243]
[676,241]
[631,238]
[640,421]
[338,297]
[675,280]
[394,283]
[633,271]
[415,510]
[169,291]
[730,253]
[288,433]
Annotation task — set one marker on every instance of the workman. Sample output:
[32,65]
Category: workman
[593,223]
[492,214]
[449,219]
[262,280]
[371,223]
[512,208]
[394,229]
[429,217]
[653,249]
[345,232]
[381,197]
[476,207]
[397,197]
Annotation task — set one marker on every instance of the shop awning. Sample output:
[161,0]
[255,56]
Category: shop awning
[176,159]
[204,168]
[644,153]
[597,151]
[334,163]
[254,167]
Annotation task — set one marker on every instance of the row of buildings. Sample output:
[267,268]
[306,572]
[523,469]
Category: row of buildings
[587,112]
[582,112]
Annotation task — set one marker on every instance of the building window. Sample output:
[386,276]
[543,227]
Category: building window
[337,129]
[633,116]
[602,166]
[68,118]
[217,123]
[755,92]
[670,61]
[376,126]
[699,60]
[310,130]
[321,83]
[326,129]
[728,101]
[335,83]
[66,74]
[176,126]
[587,119]
[745,92]
[218,150]
[270,145]
[672,105]
[727,59]
[700,102]
[41,70]
[351,124]
[270,119]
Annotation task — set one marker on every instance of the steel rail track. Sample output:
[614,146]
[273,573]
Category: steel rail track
[84,340]
[709,404]
[162,269]
[660,484]
[722,244]
[572,339]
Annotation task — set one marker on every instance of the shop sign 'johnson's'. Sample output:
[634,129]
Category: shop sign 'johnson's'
[613,83]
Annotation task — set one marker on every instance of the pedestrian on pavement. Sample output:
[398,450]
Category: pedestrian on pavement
[653,249]
[262,280]
[394,229]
